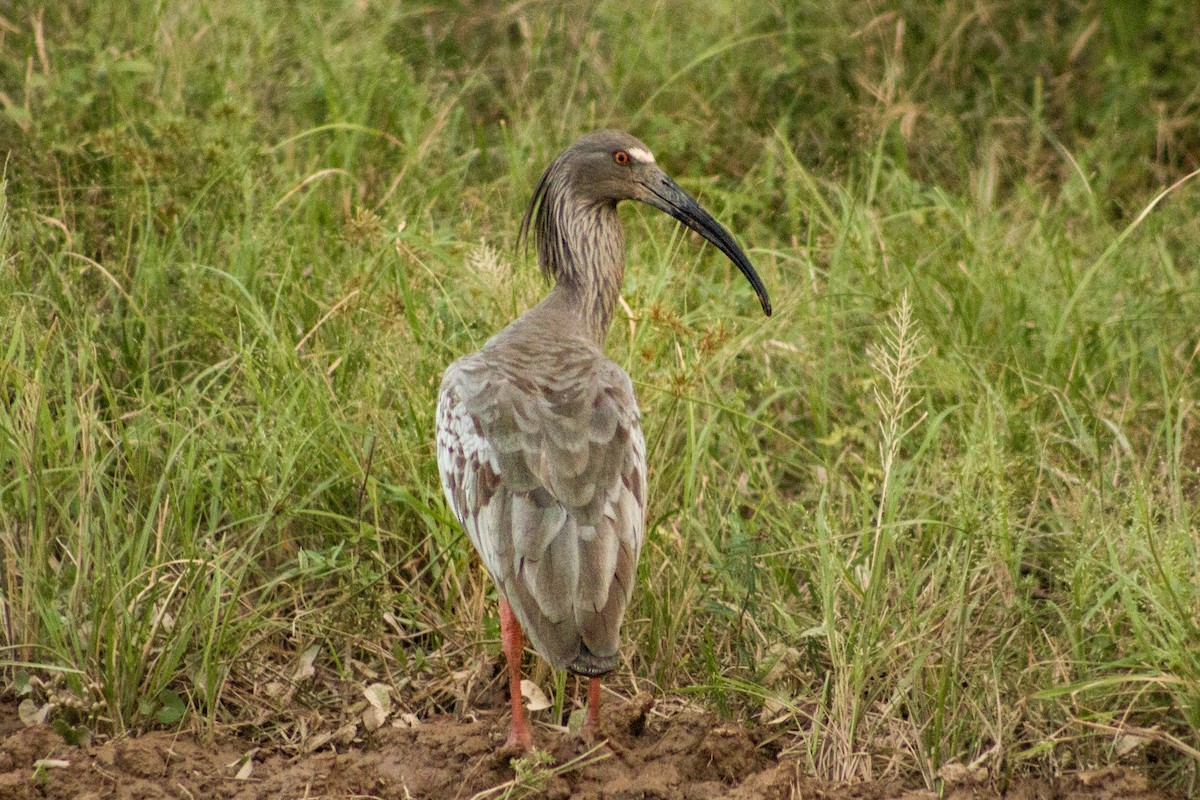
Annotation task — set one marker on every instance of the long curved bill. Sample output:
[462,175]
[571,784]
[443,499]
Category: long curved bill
[666,195]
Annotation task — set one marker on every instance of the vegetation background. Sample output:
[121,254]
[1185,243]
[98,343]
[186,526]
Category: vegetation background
[940,511]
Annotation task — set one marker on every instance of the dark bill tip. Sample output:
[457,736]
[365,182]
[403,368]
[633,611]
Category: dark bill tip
[665,195]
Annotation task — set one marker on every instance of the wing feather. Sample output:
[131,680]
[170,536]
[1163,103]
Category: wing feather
[547,475]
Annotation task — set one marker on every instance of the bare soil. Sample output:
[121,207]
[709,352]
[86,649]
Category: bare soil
[687,756]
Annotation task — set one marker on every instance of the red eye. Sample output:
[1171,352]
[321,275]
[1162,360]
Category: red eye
[621,157]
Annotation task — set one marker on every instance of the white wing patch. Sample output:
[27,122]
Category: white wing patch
[461,455]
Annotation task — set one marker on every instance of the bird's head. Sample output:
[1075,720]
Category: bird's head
[608,166]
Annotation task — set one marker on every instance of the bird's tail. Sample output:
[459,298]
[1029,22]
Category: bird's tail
[589,664]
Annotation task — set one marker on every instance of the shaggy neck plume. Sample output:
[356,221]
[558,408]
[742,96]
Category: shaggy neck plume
[580,246]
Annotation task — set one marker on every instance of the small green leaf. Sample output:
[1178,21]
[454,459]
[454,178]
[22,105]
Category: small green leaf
[173,708]
[74,735]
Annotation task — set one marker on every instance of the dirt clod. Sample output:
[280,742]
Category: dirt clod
[642,706]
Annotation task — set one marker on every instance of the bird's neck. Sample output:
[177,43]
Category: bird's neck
[589,267]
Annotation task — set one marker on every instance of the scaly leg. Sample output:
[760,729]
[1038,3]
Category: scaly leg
[512,641]
[591,723]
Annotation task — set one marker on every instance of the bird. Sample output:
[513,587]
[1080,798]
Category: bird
[538,434]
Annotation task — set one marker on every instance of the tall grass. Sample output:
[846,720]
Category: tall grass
[939,511]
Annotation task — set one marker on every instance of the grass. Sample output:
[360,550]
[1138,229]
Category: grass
[940,509]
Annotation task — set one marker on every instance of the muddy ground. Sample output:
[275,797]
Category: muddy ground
[685,756]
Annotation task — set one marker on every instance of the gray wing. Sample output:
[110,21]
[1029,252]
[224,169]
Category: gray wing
[547,475]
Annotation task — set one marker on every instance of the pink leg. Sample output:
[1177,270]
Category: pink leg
[512,641]
[591,723]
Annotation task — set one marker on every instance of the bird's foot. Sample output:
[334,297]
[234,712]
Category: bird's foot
[519,742]
[590,732]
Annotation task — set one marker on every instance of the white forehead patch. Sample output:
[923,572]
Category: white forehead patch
[644,156]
